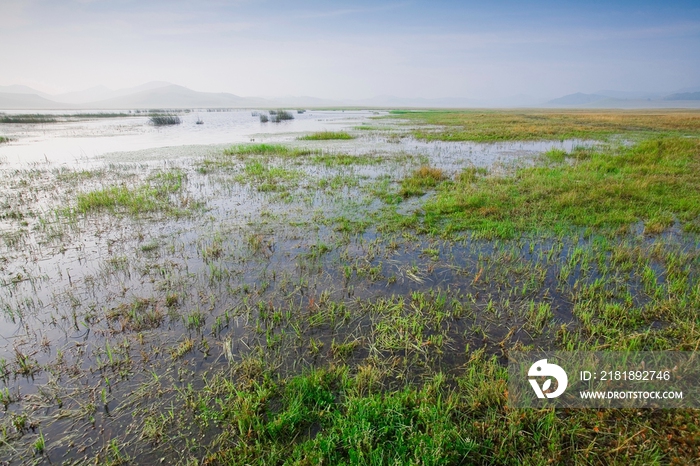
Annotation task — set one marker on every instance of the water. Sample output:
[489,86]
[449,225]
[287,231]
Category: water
[69,142]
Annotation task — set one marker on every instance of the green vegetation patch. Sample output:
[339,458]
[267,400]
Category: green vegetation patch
[490,126]
[655,182]
[151,196]
[327,135]
[267,177]
[421,179]
[277,150]
[338,160]
[4,139]
[339,415]
[27,118]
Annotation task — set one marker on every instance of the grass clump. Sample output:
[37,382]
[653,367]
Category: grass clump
[655,182]
[257,151]
[153,195]
[326,135]
[277,116]
[423,178]
[271,420]
[339,160]
[490,126]
[4,139]
[277,150]
[165,120]
[267,178]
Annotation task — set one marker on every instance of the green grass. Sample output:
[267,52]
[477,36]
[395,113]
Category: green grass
[326,135]
[151,196]
[268,178]
[338,160]
[276,150]
[339,416]
[4,139]
[421,179]
[654,182]
[492,125]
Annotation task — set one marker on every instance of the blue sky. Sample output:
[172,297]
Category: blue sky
[353,49]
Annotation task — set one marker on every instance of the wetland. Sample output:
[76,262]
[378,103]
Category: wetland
[342,287]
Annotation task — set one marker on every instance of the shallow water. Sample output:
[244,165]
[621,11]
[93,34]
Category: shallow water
[69,142]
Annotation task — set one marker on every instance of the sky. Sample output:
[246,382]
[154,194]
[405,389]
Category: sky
[353,49]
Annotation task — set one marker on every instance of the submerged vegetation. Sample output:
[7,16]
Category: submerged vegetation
[153,195]
[351,308]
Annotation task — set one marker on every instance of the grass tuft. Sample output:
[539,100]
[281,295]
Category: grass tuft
[268,149]
[326,135]
[423,178]
[154,195]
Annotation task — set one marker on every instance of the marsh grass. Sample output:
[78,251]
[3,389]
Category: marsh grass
[277,116]
[27,118]
[151,196]
[423,178]
[489,126]
[268,178]
[654,182]
[276,150]
[326,135]
[337,160]
[165,120]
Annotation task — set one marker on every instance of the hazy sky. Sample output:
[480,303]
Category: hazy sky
[353,49]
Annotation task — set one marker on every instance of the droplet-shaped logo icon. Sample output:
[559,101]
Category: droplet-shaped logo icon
[542,368]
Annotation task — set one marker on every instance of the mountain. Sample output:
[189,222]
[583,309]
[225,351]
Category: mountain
[629,94]
[18,89]
[393,101]
[687,89]
[174,96]
[16,101]
[302,101]
[683,96]
[161,94]
[577,99]
[99,93]
[84,96]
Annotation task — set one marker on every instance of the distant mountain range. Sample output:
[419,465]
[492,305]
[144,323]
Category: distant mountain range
[684,98]
[160,94]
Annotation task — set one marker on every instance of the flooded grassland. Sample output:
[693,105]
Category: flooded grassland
[342,291]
